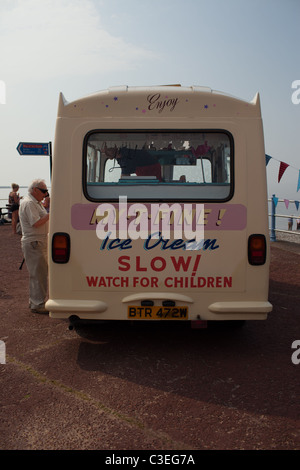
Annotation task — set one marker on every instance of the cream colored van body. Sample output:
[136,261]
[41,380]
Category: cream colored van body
[209,149]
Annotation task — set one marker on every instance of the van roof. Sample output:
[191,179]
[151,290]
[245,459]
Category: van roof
[171,101]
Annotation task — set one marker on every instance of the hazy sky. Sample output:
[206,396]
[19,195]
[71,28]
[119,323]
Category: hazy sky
[83,46]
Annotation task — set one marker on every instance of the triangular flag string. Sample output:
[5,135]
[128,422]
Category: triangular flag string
[286,202]
[282,167]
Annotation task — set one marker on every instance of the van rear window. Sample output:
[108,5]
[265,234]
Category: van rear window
[148,165]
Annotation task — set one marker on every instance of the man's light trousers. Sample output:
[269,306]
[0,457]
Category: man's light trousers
[35,254]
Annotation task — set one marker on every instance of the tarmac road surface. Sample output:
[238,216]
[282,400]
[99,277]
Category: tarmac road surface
[148,386]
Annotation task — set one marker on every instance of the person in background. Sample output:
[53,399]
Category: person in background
[14,201]
[34,222]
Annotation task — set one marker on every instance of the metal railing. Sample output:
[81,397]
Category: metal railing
[4,211]
[274,201]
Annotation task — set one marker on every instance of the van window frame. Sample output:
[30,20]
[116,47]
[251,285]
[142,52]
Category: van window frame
[158,199]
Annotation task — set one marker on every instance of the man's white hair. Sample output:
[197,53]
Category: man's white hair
[35,184]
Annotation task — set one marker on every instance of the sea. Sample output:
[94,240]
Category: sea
[281,209]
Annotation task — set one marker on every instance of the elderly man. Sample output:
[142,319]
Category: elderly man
[34,222]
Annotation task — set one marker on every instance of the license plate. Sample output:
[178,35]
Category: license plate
[157,313]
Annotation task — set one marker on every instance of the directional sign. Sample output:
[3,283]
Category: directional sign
[33,148]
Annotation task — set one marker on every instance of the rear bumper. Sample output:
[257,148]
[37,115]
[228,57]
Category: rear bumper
[240,307]
[64,308]
[99,310]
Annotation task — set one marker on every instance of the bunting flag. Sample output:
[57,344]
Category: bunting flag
[297,204]
[268,158]
[286,202]
[282,168]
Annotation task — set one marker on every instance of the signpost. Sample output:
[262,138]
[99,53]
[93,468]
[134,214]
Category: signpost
[31,148]
[36,148]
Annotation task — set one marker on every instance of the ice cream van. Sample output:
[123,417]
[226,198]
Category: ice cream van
[159,207]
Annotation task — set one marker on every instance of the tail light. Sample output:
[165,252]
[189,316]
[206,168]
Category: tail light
[60,247]
[257,250]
